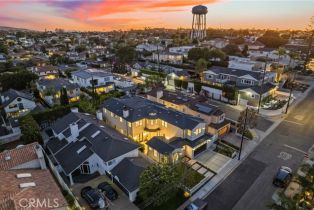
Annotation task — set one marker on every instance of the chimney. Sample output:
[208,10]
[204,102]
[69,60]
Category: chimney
[160,94]
[2,99]
[99,115]
[40,156]
[74,109]
[74,130]
[125,112]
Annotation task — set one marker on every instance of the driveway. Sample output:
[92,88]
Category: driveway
[213,160]
[121,203]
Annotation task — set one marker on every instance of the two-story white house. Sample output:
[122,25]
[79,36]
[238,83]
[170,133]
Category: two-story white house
[102,81]
[16,103]
[81,146]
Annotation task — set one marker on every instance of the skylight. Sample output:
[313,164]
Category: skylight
[95,134]
[23,175]
[28,184]
[81,149]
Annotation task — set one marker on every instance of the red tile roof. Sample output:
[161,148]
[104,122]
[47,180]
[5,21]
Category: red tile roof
[18,156]
[45,192]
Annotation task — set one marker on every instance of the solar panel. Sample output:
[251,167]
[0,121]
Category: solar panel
[204,109]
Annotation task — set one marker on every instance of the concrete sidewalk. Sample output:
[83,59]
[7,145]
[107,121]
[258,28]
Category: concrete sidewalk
[248,148]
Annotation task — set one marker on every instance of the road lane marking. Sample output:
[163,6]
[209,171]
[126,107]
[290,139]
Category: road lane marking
[284,155]
[294,122]
[294,148]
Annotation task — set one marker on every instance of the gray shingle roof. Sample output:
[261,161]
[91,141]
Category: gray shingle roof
[63,123]
[160,145]
[89,73]
[140,108]
[265,88]
[57,84]
[129,171]
[11,94]
[235,72]
[94,137]
[70,158]
[179,142]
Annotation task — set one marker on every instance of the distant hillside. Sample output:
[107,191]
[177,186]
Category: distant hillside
[6,28]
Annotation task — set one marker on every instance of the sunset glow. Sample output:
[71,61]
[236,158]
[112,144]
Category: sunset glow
[103,15]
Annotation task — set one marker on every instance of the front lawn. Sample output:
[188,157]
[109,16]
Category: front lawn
[189,176]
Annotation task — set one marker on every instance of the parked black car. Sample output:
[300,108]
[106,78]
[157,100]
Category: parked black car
[283,177]
[108,190]
[93,197]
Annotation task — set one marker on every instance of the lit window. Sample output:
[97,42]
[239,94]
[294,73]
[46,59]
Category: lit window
[189,132]
[105,110]
[155,153]
[121,120]
[129,124]
[111,114]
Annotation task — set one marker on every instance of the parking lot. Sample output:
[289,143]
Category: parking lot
[121,203]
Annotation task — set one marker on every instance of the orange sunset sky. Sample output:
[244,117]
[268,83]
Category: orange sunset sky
[104,15]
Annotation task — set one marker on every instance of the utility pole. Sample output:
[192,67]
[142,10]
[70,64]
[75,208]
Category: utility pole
[290,94]
[261,88]
[244,128]
[308,51]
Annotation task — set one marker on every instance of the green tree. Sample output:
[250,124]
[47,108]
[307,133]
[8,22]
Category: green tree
[281,51]
[197,53]
[251,121]
[272,39]
[200,67]
[80,48]
[3,48]
[18,80]
[232,49]
[157,182]
[284,203]
[30,130]
[216,54]
[64,100]
[245,50]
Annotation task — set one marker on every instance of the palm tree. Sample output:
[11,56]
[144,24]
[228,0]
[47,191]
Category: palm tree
[281,51]
[293,56]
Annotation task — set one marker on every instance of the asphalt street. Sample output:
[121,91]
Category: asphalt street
[250,187]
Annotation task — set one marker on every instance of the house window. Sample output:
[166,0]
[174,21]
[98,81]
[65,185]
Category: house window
[150,149]
[105,110]
[121,120]
[111,162]
[189,132]
[19,99]
[247,81]
[129,124]
[111,114]
[165,124]
[155,153]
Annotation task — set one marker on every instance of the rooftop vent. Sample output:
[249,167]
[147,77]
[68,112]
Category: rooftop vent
[7,157]
[28,184]
[81,149]
[23,175]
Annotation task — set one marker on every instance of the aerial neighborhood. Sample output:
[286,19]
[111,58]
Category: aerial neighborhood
[154,118]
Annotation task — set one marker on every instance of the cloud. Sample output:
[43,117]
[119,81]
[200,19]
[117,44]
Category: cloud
[90,9]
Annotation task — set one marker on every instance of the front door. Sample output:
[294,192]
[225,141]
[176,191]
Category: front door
[85,168]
